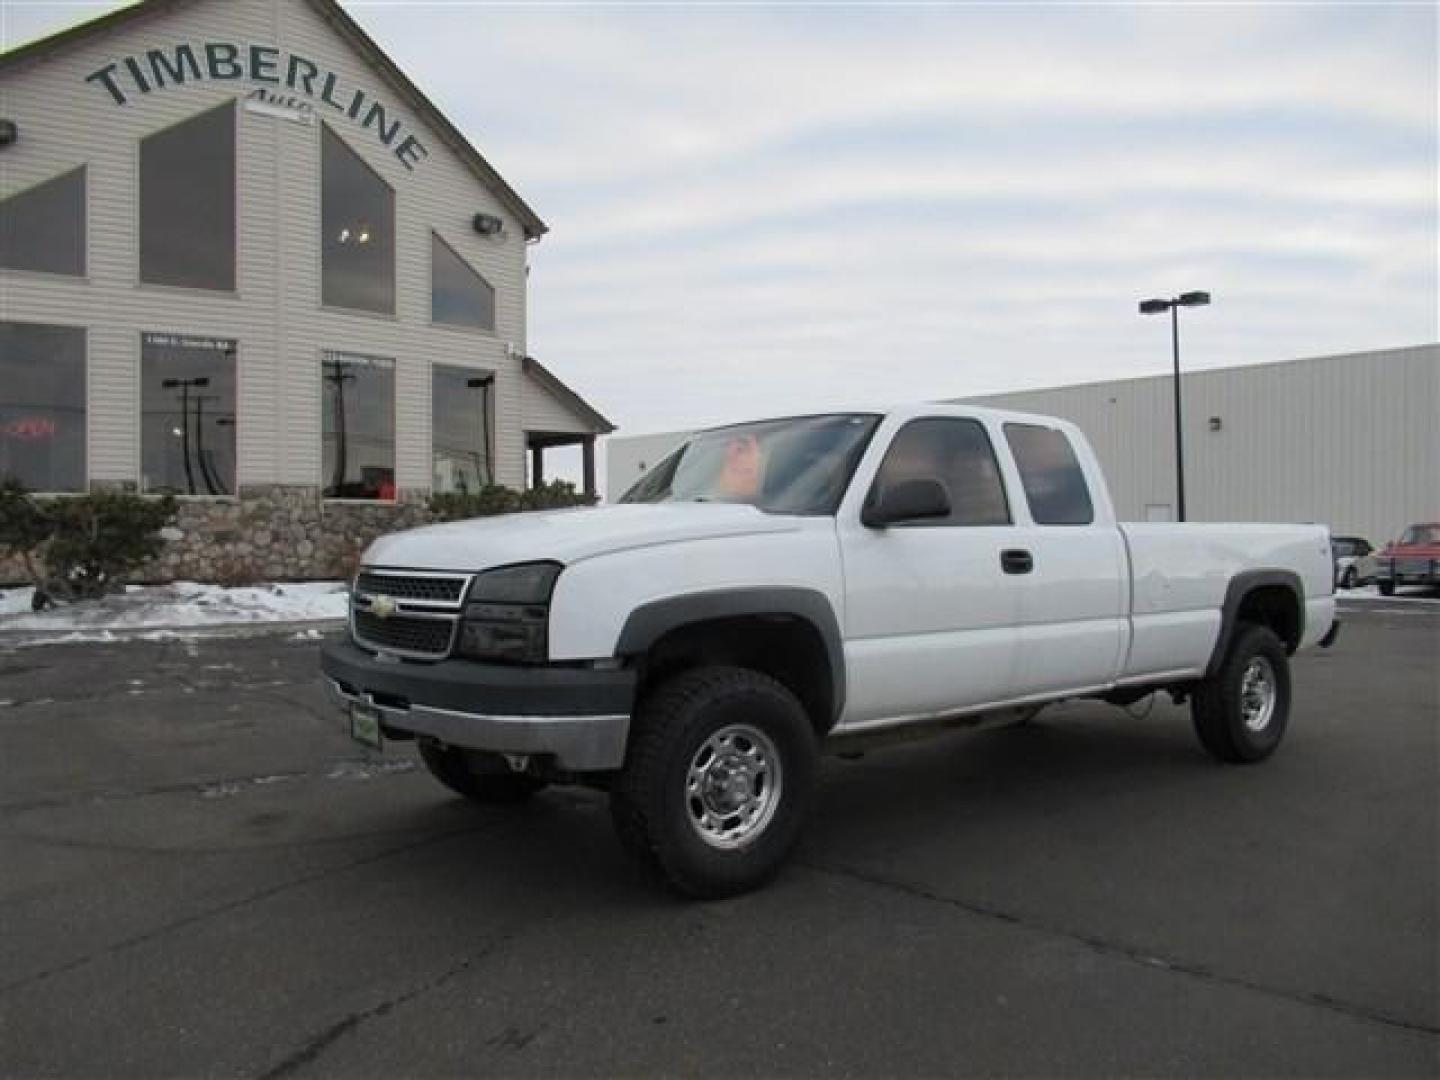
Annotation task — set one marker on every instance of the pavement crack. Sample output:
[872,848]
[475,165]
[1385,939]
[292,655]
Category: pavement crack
[1123,951]
[241,902]
[315,1047]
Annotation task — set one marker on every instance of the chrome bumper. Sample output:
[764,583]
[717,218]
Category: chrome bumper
[577,743]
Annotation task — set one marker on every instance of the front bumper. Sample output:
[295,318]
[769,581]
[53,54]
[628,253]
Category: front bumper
[1404,570]
[578,716]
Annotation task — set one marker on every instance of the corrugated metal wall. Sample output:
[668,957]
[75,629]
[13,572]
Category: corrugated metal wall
[275,312]
[1352,441]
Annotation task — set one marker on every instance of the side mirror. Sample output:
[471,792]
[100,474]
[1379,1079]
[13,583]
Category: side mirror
[909,500]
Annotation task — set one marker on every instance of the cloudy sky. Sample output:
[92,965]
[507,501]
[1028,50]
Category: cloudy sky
[766,208]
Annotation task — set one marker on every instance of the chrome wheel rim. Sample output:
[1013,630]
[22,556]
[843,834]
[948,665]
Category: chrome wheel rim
[1257,694]
[733,787]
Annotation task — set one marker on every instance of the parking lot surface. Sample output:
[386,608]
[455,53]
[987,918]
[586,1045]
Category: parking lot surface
[204,877]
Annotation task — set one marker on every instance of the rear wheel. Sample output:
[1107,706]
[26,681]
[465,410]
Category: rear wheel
[717,780]
[1241,712]
[475,776]
[1386,586]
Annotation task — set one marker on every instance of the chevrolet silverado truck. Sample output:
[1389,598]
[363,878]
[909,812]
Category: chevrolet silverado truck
[776,587]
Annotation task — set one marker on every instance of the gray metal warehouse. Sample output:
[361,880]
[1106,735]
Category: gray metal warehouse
[1352,441]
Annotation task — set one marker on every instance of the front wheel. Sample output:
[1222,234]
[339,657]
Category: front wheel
[1241,711]
[717,780]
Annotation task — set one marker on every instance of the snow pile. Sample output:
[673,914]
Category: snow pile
[1405,594]
[183,604]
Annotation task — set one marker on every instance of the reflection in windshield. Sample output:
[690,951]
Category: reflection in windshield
[800,465]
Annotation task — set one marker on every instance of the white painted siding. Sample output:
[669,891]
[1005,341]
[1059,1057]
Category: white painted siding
[275,312]
[542,412]
[1350,441]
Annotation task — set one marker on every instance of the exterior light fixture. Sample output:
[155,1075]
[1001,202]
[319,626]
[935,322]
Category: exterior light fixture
[1173,305]
[1216,423]
[487,224]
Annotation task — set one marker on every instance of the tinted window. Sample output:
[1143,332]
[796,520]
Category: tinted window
[958,454]
[42,405]
[187,203]
[358,427]
[187,414]
[358,231]
[459,426]
[44,228]
[1054,483]
[458,295]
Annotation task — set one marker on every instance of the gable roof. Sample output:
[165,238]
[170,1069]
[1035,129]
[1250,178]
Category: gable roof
[567,397]
[350,31]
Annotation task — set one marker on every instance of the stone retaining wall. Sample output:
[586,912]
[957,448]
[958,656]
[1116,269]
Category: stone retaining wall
[269,533]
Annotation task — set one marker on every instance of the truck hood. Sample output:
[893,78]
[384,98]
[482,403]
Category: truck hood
[568,536]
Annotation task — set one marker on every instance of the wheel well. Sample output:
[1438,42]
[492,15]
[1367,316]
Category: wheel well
[786,647]
[1274,606]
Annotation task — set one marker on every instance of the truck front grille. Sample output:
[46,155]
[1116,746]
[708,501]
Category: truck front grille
[429,588]
[407,612]
[405,634]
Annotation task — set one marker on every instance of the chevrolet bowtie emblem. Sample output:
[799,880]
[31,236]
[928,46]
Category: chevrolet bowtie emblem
[383,606]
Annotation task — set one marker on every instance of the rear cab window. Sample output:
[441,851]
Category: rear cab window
[1054,482]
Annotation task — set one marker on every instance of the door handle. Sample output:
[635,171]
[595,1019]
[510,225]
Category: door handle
[1016,561]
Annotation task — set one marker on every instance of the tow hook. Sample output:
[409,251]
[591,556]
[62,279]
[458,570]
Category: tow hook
[518,762]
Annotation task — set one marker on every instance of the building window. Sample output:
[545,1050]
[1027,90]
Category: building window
[42,406]
[187,203]
[44,228]
[358,231]
[358,427]
[460,427]
[187,414]
[458,295]
[958,454]
[1054,482]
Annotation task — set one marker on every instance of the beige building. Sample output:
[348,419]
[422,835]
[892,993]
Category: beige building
[1352,441]
[244,260]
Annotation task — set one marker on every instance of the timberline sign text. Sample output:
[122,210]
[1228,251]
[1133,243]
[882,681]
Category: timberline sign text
[217,61]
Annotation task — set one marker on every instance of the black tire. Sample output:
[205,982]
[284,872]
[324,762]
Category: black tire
[1219,706]
[454,769]
[765,749]
[1386,586]
[1347,579]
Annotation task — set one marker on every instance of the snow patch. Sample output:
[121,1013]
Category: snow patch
[168,608]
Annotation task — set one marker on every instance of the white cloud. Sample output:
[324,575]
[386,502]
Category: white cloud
[766,209]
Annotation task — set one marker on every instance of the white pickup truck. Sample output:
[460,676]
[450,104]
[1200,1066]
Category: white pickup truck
[774,586]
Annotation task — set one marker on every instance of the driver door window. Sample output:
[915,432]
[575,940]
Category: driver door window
[958,454]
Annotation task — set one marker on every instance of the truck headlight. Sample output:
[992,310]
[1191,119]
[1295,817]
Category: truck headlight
[507,614]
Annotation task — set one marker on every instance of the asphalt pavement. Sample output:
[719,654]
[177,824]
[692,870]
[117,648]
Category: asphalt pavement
[202,876]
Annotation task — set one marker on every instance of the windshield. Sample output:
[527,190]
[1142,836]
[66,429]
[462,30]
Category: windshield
[1421,534]
[800,465]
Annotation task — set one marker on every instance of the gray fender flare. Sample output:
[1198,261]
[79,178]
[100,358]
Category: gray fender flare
[648,623]
[1241,586]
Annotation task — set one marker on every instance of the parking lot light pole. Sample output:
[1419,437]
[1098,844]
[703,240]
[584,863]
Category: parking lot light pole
[1155,307]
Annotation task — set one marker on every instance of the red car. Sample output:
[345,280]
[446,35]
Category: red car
[1414,559]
